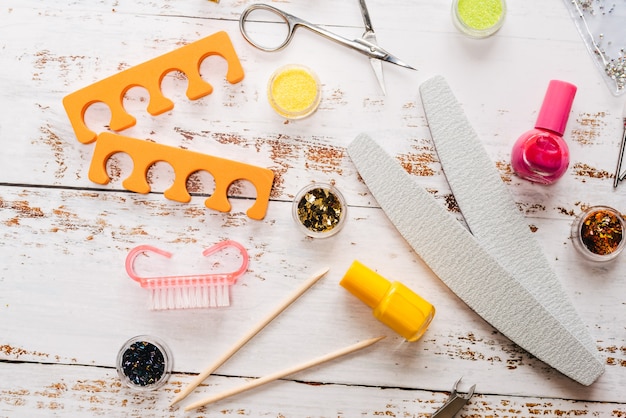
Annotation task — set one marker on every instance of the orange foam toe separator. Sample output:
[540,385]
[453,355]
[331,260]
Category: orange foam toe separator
[111,90]
[184,163]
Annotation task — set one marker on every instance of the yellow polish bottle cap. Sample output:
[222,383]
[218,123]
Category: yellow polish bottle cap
[394,304]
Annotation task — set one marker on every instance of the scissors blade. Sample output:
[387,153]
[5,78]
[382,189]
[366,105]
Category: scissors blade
[394,60]
[377,64]
[376,52]
[370,36]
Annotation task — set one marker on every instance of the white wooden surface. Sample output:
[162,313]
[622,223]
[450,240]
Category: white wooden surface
[67,305]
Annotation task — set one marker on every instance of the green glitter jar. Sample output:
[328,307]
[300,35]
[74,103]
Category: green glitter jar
[319,210]
[478,18]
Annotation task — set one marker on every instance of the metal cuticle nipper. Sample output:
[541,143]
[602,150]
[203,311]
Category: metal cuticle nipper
[455,402]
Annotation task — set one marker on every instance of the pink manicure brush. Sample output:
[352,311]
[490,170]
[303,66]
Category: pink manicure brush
[188,291]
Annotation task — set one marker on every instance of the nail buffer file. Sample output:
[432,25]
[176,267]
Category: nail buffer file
[468,269]
[479,191]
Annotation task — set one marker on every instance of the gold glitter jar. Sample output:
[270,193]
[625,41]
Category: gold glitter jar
[294,91]
[598,233]
[319,210]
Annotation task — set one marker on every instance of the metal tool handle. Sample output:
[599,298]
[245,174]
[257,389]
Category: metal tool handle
[454,404]
[366,17]
[294,22]
[450,408]
[289,20]
[619,176]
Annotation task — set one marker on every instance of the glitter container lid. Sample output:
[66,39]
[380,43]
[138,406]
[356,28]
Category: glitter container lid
[598,233]
[478,18]
[144,363]
[319,210]
[294,91]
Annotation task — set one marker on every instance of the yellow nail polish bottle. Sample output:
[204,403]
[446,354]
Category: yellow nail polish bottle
[394,304]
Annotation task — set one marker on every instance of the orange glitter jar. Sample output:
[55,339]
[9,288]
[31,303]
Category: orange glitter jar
[598,233]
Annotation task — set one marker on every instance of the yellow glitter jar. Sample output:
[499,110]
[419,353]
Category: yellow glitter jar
[294,91]
[478,18]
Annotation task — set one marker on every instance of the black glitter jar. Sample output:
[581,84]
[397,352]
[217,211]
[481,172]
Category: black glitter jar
[144,363]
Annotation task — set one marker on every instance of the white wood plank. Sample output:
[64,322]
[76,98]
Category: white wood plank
[501,108]
[89,391]
[66,276]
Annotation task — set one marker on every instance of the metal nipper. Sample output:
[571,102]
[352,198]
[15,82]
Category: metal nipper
[454,404]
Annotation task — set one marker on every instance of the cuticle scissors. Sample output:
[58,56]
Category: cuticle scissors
[365,45]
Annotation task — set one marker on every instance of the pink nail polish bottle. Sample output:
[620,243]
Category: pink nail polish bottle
[541,155]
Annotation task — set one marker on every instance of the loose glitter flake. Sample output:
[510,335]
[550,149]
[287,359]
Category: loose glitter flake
[320,210]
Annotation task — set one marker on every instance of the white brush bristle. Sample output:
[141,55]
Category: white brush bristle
[190,297]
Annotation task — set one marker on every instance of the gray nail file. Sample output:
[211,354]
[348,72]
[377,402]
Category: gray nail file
[468,269]
[489,208]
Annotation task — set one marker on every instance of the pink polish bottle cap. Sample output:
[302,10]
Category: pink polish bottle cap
[556,106]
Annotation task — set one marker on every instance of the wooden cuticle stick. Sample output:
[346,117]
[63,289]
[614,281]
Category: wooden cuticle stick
[280,374]
[243,340]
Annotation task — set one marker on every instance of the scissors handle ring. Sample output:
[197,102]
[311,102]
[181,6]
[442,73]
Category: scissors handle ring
[290,20]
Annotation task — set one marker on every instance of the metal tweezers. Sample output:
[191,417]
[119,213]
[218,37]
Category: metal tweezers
[454,403]
[619,175]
